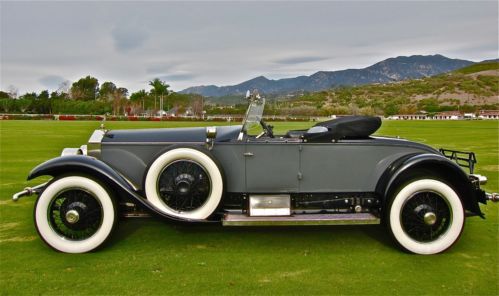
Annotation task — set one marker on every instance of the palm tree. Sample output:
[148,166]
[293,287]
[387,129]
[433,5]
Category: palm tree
[158,88]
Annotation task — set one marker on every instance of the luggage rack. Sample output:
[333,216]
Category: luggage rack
[464,159]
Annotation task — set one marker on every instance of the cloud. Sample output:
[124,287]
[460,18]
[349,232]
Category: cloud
[127,38]
[178,77]
[300,60]
[221,43]
[162,67]
[51,81]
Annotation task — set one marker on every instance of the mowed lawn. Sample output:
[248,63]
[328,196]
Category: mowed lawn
[151,256]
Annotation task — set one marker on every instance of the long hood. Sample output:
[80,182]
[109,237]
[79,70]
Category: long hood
[168,135]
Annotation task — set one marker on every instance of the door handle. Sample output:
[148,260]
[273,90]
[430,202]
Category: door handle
[248,154]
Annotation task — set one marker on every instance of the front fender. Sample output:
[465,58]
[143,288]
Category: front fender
[102,172]
[438,166]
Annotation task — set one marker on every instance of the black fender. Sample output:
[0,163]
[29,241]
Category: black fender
[440,167]
[102,172]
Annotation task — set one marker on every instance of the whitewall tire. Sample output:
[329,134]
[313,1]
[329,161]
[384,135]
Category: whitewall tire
[75,214]
[184,183]
[426,217]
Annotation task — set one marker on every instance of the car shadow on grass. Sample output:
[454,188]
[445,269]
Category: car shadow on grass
[215,234]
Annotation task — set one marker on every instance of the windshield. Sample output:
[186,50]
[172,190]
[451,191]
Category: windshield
[253,114]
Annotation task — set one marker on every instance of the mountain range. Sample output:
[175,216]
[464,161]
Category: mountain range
[389,70]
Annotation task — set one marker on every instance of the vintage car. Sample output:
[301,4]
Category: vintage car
[332,173]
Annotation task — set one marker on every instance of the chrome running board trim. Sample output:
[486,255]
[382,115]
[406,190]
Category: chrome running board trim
[303,219]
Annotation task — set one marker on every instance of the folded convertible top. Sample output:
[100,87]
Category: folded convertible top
[349,127]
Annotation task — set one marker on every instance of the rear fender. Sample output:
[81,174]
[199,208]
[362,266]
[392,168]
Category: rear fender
[437,166]
[102,172]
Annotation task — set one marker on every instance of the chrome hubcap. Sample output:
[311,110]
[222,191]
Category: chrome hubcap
[72,216]
[430,218]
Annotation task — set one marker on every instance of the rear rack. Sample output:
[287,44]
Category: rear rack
[464,159]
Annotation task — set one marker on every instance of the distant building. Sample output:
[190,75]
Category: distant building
[488,114]
[409,117]
[469,116]
[448,115]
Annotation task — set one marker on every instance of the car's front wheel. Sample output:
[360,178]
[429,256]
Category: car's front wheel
[426,216]
[75,214]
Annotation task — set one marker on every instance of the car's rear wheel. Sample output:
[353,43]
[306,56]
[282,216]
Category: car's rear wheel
[75,214]
[426,216]
[185,183]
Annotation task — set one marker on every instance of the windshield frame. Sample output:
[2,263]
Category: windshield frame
[254,113]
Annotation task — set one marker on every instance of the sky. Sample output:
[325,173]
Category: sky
[185,44]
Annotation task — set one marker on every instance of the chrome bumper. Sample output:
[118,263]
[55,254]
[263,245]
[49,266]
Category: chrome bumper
[481,180]
[28,191]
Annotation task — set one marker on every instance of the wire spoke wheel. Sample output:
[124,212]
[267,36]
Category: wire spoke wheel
[184,186]
[75,214]
[426,216]
[185,183]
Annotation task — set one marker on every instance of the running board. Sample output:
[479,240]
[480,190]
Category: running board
[303,219]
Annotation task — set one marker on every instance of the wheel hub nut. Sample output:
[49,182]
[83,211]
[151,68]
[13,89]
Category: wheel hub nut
[430,218]
[72,216]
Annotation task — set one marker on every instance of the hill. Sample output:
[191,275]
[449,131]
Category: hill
[466,89]
[389,70]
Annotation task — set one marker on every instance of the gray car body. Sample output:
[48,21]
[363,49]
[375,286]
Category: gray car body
[375,166]
[277,165]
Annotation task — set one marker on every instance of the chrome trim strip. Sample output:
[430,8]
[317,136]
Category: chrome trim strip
[149,143]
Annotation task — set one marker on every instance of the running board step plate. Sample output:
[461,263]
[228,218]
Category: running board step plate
[303,219]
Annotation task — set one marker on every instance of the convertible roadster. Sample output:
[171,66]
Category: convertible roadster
[336,172]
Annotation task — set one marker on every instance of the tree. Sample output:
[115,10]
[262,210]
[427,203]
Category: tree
[13,91]
[4,95]
[64,87]
[123,91]
[42,104]
[107,90]
[56,95]
[24,104]
[140,101]
[85,89]
[159,88]
[119,99]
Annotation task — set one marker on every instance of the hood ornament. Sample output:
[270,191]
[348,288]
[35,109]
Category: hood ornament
[103,122]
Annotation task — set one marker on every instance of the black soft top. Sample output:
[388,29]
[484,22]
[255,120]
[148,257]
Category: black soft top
[348,127]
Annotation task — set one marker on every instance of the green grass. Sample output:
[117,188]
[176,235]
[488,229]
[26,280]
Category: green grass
[150,256]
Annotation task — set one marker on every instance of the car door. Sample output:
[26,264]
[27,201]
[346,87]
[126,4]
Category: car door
[272,167]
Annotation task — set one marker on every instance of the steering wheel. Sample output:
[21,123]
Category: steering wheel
[267,129]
